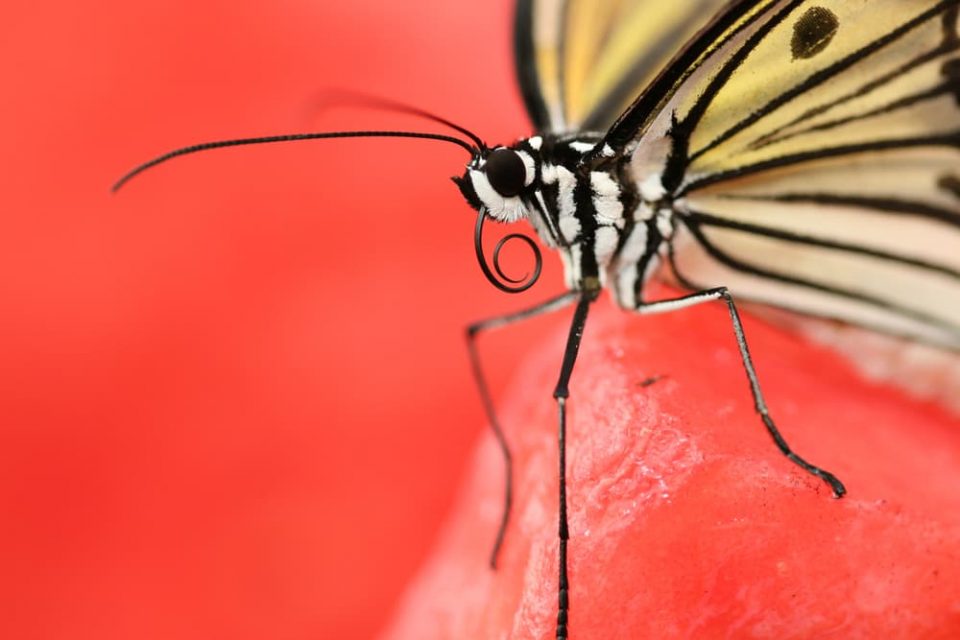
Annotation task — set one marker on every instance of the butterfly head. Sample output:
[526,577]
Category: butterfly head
[496,181]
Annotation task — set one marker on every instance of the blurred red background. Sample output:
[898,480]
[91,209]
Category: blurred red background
[235,398]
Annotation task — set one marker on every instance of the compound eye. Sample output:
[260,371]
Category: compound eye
[506,172]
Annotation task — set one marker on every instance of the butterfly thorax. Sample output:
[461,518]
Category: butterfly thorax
[608,231]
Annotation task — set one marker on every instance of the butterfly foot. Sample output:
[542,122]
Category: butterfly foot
[835,485]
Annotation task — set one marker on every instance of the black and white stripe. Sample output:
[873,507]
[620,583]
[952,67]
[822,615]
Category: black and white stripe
[605,232]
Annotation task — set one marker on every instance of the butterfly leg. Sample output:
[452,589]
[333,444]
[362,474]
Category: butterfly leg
[561,393]
[472,332]
[721,293]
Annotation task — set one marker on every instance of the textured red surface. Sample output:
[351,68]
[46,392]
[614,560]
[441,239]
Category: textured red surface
[685,521]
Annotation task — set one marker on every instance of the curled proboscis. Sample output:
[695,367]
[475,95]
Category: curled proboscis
[496,276]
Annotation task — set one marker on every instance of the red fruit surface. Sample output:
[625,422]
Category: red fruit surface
[685,520]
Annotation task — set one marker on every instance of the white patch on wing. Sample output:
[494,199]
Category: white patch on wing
[500,208]
[651,189]
[665,223]
[536,142]
[644,212]
[606,198]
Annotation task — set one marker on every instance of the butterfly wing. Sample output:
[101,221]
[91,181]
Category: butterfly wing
[811,153]
[580,63]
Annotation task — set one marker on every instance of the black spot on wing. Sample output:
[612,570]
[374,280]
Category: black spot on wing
[812,32]
[836,68]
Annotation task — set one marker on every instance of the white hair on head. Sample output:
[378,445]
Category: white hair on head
[500,208]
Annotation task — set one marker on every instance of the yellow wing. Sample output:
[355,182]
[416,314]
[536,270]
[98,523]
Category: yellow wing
[582,62]
[812,157]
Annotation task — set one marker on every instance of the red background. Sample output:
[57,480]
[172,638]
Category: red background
[235,398]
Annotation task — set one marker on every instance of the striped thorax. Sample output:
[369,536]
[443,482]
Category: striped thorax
[608,231]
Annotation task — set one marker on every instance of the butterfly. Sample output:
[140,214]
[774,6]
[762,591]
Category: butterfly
[798,154]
